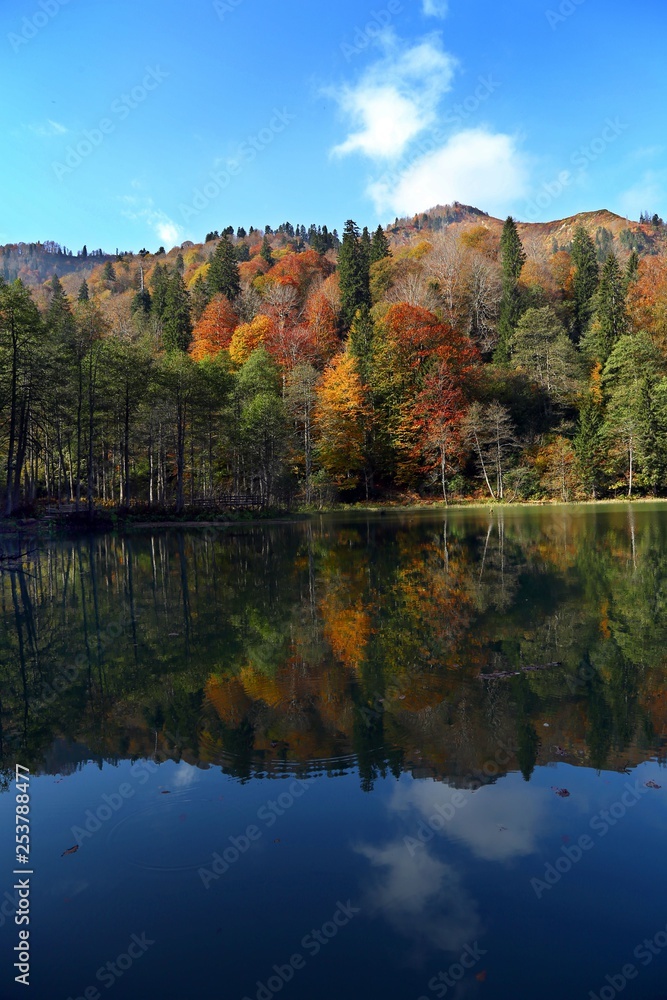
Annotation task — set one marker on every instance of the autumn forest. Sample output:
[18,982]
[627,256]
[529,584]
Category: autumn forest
[447,357]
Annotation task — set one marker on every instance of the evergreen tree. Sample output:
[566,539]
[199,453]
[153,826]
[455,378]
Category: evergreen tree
[84,294]
[588,443]
[180,264]
[512,259]
[586,277]
[611,320]
[265,252]
[159,286]
[379,246]
[652,432]
[353,269]
[223,273]
[177,322]
[108,272]
[199,297]
[365,242]
[632,268]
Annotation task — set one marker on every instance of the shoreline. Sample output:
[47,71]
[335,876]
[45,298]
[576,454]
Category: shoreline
[35,526]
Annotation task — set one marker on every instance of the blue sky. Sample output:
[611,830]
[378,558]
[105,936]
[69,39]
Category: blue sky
[139,124]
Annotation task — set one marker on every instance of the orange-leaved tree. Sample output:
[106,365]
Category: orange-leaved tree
[339,417]
[213,332]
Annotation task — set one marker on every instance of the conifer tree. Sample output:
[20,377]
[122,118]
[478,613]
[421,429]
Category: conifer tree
[265,253]
[585,282]
[379,246]
[84,294]
[612,319]
[223,273]
[177,322]
[512,259]
[159,285]
[353,269]
[632,268]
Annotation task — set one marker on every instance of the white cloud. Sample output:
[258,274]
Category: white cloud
[476,166]
[46,129]
[435,8]
[396,98]
[422,897]
[496,824]
[142,210]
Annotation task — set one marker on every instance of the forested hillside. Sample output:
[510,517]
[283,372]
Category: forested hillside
[450,356]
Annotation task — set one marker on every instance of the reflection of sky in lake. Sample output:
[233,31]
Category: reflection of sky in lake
[467,885]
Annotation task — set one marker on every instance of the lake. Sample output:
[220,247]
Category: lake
[406,756]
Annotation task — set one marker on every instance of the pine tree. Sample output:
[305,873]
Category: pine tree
[632,268]
[612,319]
[108,272]
[353,270]
[159,286]
[223,273]
[265,253]
[585,282]
[512,259]
[199,297]
[379,246]
[588,442]
[177,322]
[84,294]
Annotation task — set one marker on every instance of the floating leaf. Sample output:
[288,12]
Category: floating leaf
[652,784]
[70,850]
[481,976]
[561,792]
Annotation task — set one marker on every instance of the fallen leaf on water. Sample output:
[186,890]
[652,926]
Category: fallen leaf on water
[481,976]
[277,840]
[70,850]
[652,784]
[165,792]
[561,792]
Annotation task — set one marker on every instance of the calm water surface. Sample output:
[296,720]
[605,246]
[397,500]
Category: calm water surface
[402,757]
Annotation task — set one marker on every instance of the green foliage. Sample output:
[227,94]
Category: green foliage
[223,273]
[353,271]
[512,259]
[586,277]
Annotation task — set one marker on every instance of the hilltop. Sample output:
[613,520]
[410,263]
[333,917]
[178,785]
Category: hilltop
[36,263]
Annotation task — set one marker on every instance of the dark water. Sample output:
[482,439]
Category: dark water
[288,772]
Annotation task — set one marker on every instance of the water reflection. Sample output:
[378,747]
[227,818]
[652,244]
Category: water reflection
[314,647]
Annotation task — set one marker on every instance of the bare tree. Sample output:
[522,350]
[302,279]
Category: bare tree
[490,431]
